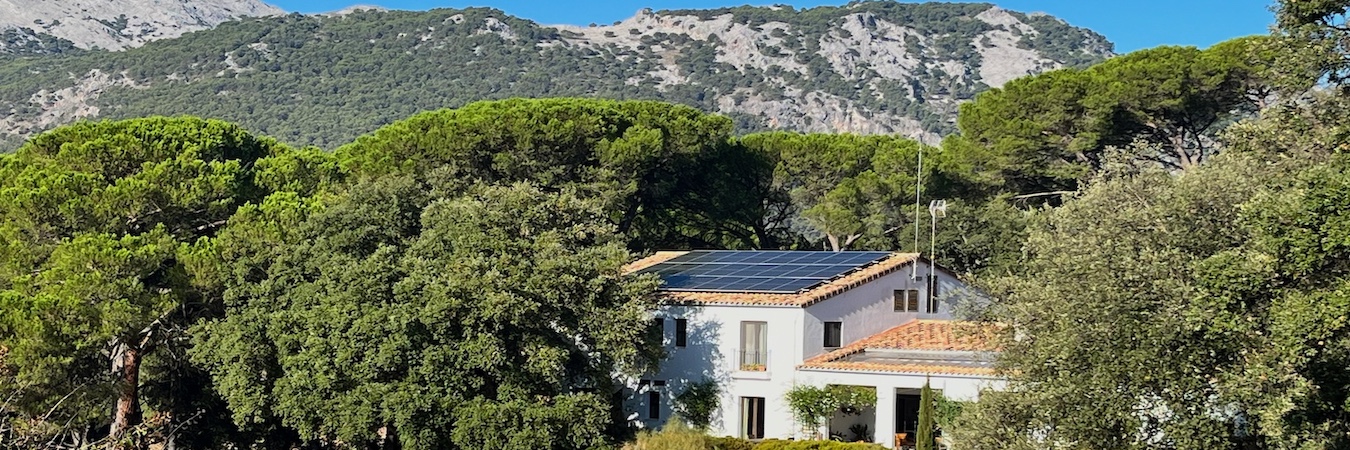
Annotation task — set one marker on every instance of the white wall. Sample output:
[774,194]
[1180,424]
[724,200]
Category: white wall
[870,309]
[712,352]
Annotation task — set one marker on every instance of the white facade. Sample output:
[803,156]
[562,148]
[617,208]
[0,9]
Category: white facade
[713,350]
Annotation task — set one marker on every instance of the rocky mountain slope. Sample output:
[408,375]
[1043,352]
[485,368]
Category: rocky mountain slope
[868,67]
[54,25]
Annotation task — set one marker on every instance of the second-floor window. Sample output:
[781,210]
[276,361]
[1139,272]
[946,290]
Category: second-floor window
[834,332]
[907,300]
[681,332]
[754,346]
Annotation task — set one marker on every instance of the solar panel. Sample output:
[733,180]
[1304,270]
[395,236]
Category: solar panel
[761,271]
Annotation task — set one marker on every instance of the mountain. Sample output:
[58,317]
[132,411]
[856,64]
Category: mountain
[867,67]
[49,26]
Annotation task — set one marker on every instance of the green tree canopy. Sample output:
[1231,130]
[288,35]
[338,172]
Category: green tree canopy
[93,219]
[492,319]
[847,187]
[1113,342]
[667,175]
[1293,275]
[1319,26]
[1050,131]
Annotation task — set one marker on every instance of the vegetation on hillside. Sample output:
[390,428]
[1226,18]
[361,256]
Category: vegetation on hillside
[317,80]
[26,41]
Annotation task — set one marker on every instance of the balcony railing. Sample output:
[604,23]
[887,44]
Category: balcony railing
[754,360]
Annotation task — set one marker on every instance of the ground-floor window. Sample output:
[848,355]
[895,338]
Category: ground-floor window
[752,417]
[653,388]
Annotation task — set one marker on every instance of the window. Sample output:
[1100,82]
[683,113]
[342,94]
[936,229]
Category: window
[907,300]
[754,346]
[752,417]
[933,304]
[681,332]
[653,397]
[833,334]
[653,404]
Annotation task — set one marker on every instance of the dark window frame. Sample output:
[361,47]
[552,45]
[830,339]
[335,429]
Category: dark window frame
[834,330]
[653,404]
[752,417]
[681,332]
[934,305]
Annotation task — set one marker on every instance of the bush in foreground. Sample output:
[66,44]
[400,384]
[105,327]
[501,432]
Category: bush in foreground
[776,444]
[678,436]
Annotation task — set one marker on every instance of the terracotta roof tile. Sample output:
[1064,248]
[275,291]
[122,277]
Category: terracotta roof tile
[923,335]
[802,299]
[944,335]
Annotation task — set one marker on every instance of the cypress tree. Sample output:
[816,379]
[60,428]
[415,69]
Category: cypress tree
[924,440]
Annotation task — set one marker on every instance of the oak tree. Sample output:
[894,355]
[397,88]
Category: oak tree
[497,317]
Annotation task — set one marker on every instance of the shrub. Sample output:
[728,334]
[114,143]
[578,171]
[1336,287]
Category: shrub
[812,405]
[678,436]
[729,443]
[775,444]
[674,436]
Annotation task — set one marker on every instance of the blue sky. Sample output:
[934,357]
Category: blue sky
[1130,24]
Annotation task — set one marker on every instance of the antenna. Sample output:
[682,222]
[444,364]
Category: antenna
[918,191]
[936,209]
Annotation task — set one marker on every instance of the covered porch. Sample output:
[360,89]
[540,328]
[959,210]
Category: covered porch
[897,363]
[892,422]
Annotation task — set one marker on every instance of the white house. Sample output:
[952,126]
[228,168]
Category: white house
[760,322]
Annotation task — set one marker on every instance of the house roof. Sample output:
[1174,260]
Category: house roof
[808,297]
[919,346]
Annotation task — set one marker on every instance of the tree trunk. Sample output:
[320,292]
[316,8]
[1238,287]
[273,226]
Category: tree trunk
[1186,160]
[128,370]
[836,246]
[388,438]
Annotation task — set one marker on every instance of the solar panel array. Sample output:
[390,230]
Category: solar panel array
[778,272]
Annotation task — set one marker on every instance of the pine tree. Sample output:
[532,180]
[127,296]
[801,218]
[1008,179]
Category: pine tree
[925,432]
